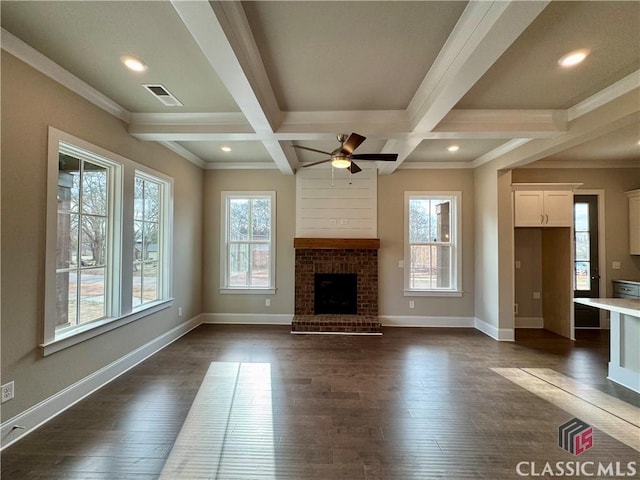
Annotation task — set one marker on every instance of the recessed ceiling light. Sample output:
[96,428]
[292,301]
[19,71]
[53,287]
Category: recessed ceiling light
[133,63]
[225,148]
[453,148]
[573,58]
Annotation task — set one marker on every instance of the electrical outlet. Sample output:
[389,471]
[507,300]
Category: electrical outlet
[615,265]
[412,304]
[267,302]
[515,308]
[400,263]
[7,391]
[536,295]
[517,263]
[179,311]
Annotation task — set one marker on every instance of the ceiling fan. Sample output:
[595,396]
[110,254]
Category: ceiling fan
[343,156]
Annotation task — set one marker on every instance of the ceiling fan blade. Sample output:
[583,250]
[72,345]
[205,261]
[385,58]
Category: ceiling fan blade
[353,168]
[352,143]
[310,149]
[380,157]
[316,163]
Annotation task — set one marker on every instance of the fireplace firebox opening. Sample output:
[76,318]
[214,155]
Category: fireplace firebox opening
[335,293]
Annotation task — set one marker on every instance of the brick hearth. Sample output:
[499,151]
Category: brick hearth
[335,256]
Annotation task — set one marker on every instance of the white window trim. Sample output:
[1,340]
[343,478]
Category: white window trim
[456,254]
[225,196]
[119,310]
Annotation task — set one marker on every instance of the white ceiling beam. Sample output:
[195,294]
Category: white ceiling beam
[222,32]
[370,123]
[482,34]
[618,113]
[536,123]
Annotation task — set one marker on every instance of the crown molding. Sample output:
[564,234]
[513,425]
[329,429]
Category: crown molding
[46,66]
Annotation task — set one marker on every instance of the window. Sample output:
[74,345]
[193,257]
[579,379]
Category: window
[247,244]
[94,228]
[84,237]
[148,239]
[432,254]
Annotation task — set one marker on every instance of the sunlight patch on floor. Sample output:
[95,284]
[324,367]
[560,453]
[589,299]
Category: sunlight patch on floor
[228,431]
[616,418]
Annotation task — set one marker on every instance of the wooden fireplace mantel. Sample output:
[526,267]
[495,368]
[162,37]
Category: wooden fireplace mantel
[337,243]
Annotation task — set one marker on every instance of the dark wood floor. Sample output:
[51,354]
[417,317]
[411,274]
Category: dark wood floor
[411,404]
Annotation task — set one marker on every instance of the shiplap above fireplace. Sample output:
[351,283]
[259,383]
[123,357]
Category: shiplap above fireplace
[345,207]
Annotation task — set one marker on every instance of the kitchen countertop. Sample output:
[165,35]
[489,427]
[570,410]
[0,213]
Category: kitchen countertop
[635,282]
[627,306]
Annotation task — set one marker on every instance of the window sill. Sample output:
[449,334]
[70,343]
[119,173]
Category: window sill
[102,326]
[433,293]
[247,291]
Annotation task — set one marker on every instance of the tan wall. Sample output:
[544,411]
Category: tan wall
[30,103]
[614,181]
[216,181]
[391,190]
[390,231]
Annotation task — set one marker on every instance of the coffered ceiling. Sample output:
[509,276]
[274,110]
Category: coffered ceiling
[413,77]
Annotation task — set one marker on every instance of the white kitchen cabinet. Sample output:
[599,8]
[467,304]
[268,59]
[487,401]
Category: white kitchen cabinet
[634,222]
[543,208]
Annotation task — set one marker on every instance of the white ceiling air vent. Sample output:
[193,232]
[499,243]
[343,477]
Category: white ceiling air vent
[163,95]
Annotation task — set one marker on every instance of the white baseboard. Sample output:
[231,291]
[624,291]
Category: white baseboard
[44,411]
[529,322]
[248,318]
[419,321]
[500,334]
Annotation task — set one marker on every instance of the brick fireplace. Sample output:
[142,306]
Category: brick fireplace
[336,256]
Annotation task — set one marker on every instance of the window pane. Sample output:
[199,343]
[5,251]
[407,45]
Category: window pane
[138,268]
[94,189]
[93,238]
[582,246]
[441,258]
[261,216]
[421,273]
[260,265]
[151,201]
[138,199]
[149,282]
[138,229]
[238,265]
[582,276]
[581,217]
[66,301]
[238,219]
[441,211]
[92,291]
[68,183]
[67,244]
[419,220]
[149,242]
[430,267]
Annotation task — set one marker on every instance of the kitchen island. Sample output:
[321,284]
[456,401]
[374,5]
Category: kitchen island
[624,355]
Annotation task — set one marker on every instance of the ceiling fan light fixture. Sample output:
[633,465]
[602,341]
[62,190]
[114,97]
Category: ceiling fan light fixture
[340,161]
